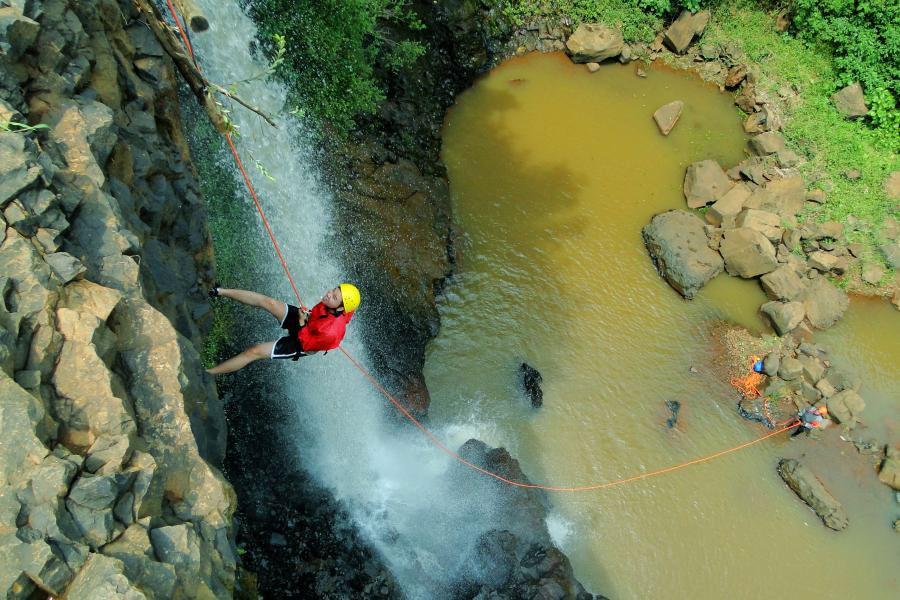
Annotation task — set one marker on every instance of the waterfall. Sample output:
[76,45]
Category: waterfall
[393,482]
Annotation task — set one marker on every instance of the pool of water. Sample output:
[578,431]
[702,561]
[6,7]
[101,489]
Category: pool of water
[553,173]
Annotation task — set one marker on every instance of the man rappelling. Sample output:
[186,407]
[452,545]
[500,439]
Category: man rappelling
[308,332]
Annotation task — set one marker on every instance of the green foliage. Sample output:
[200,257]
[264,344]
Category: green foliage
[864,38]
[831,144]
[330,48]
[15,126]
[637,25]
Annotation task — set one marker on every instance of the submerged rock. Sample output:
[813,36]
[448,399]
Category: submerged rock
[667,116]
[531,383]
[674,407]
[806,485]
[678,246]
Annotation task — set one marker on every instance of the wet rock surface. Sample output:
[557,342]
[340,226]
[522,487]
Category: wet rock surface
[678,246]
[807,486]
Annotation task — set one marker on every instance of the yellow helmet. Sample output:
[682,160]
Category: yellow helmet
[350,294]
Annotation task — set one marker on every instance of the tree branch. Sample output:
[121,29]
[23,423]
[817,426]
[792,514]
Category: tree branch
[201,87]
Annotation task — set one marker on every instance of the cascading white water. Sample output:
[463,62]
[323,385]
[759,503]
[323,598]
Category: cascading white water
[394,483]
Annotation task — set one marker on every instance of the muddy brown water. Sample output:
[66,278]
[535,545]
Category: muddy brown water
[553,172]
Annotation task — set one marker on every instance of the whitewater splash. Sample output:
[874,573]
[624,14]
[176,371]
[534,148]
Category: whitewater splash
[394,483]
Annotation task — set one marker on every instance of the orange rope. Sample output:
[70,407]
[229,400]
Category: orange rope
[416,422]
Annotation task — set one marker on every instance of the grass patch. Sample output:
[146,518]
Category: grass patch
[229,216]
[637,25]
[831,144]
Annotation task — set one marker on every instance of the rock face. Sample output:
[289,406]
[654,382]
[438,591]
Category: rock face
[594,42]
[678,246]
[806,485]
[704,183]
[850,101]
[517,558]
[889,471]
[747,253]
[824,303]
[115,427]
[686,27]
[667,116]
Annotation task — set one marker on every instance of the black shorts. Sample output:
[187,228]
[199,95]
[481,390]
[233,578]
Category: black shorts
[289,346]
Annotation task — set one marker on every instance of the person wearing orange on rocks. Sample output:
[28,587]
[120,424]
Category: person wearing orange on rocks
[813,418]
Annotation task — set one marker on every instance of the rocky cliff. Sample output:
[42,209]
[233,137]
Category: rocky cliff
[109,427]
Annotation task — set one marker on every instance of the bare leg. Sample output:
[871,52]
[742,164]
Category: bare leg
[276,308]
[243,359]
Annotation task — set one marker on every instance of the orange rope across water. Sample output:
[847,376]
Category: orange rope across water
[399,406]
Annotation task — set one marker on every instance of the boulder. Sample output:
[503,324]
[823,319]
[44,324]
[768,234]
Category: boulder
[102,577]
[667,115]
[747,253]
[768,224]
[872,273]
[822,261]
[891,254]
[850,101]
[678,246]
[790,369]
[772,363]
[17,173]
[767,143]
[729,206]
[783,284]
[531,383]
[594,42]
[889,472]
[704,183]
[784,197]
[17,32]
[682,31]
[20,415]
[892,185]
[785,316]
[735,76]
[813,367]
[807,486]
[83,134]
[824,303]
[66,266]
[846,406]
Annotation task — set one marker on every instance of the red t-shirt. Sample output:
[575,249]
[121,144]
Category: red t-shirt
[324,330]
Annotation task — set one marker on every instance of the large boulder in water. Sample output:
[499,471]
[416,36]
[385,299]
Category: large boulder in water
[889,472]
[677,243]
[806,485]
[594,42]
[516,558]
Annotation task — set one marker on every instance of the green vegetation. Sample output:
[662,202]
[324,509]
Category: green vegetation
[228,220]
[332,47]
[863,36]
[15,126]
[832,145]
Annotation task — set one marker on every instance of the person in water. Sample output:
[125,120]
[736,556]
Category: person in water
[811,419]
[318,330]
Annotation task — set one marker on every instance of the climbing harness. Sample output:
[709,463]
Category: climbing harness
[399,406]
